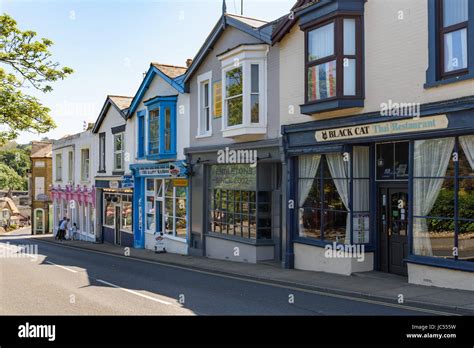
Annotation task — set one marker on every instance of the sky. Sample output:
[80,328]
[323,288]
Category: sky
[110,44]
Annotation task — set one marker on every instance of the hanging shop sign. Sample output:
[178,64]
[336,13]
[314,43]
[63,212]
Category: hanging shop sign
[127,181]
[234,177]
[384,128]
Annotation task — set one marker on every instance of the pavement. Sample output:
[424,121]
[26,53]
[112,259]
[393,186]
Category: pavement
[208,286]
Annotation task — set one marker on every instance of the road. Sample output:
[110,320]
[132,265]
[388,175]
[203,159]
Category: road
[66,281]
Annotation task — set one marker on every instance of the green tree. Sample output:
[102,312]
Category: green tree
[16,159]
[9,179]
[27,62]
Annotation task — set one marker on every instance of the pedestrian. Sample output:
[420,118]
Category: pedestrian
[63,229]
[73,234]
[58,231]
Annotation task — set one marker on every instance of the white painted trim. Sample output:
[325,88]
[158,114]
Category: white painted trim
[206,77]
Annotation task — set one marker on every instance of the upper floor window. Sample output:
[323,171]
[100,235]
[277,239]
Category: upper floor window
[85,168]
[161,127]
[70,166]
[243,90]
[450,48]
[119,151]
[141,134]
[333,60]
[154,132]
[102,152]
[453,33]
[59,167]
[204,104]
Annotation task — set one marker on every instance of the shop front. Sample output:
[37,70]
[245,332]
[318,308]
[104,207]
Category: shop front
[115,199]
[394,195]
[161,207]
[236,207]
[77,204]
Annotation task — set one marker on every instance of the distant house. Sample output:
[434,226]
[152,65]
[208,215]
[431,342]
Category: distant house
[40,183]
[9,213]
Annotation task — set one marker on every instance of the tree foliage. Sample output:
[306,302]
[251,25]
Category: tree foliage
[9,179]
[25,62]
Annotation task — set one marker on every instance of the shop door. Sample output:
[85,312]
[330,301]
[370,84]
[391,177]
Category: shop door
[393,229]
[118,236]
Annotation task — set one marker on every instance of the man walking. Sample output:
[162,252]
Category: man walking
[63,228]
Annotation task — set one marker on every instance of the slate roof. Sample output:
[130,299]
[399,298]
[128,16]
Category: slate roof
[121,102]
[171,71]
[41,149]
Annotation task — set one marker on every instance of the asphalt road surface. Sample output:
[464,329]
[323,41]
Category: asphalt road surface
[66,281]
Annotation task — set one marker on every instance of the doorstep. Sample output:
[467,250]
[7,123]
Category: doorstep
[371,285]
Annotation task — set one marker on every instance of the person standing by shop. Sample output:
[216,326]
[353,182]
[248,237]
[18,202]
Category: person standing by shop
[63,229]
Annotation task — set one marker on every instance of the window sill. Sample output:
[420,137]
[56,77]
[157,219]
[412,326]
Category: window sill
[465,266]
[438,83]
[121,172]
[256,242]
[330,105]
[322,244]
[160,157]
[207,135]
[243,130]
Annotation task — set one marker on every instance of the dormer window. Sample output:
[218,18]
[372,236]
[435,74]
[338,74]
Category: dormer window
[243,90]
[333,64]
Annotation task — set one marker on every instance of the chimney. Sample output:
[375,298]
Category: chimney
[189,61]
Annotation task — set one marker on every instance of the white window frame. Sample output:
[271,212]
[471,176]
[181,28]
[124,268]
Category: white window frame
[58,166]
[83,178]
[245,56]
[201,80]
[121,152]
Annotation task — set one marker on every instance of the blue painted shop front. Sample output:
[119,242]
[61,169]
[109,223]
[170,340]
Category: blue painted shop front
[401,187]
[161,206]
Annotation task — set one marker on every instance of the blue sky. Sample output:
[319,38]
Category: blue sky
[110,44]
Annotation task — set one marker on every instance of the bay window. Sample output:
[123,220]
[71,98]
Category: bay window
[243,90]
[161,128]
[333,64]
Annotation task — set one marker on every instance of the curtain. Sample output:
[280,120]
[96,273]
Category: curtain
[340,169]
[361,188]
[307,166]
[467,144]
[431,160]
[321,42]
